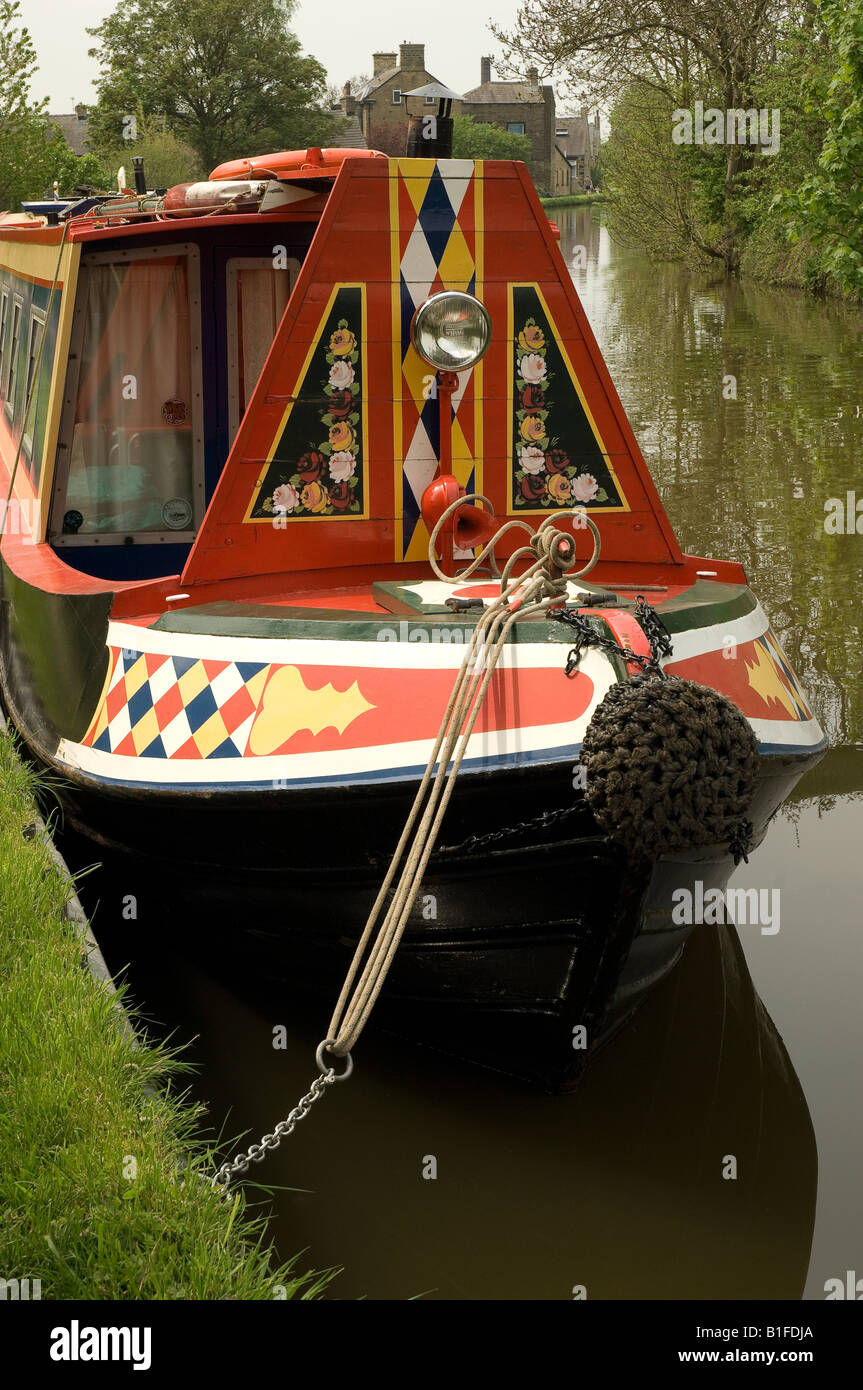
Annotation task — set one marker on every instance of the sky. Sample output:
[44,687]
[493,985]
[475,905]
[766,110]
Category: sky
[341,35]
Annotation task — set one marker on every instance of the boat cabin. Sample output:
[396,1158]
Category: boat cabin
[260,375]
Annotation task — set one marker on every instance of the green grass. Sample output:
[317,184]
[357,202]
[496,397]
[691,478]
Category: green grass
[74,1115]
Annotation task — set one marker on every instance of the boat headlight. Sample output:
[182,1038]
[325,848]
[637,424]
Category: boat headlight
[451,330]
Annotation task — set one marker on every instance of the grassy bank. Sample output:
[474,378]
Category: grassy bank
[90,1189]
[572,200]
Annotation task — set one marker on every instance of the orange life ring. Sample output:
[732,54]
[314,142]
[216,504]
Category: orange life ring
[299,163]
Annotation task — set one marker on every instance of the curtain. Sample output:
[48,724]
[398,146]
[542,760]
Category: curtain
[131,465]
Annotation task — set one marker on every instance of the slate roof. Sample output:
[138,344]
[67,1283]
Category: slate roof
[74,131]
[505,94]
[353,138]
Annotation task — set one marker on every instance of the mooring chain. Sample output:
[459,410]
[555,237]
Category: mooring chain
[648,620]
[256,1153]
[551,559]
[507,832]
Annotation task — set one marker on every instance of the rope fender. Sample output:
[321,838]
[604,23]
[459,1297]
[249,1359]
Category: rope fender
[670,765]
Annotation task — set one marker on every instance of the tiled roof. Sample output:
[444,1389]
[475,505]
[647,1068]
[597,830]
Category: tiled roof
[504,94]
[74,132]
[353,138]
[378,81]
[574,143]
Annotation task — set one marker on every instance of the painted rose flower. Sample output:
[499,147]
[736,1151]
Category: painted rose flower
[311,466]
[556,461]
[559,487]
[532,460]
[532,428]
[285,498]
[533,489]
[584,487]
[314,497]
[533,398]
[340,404]
[341,375]
[341,497]
[342,435]
[532,367]
[342,465]
[531,338]
[342,342]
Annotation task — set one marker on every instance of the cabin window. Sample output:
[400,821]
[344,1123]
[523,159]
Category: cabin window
[134,438]
[397,97]
[4,324]
[257,294]
[37,329]
[12,366]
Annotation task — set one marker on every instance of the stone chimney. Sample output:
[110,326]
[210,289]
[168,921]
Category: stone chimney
[348,102]
[533,76]
[484,70]
[412,57]
[583,113]
[81,111]
[382,62]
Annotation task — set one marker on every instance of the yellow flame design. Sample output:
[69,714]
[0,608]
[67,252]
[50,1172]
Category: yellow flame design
[289,706]
[763,676]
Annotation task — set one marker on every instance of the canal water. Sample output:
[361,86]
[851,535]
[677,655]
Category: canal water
[714,1149]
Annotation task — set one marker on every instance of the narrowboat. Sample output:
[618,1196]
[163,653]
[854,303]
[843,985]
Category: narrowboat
[274,448]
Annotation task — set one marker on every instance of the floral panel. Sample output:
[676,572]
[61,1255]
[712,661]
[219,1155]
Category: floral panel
[557,461]
[317,468]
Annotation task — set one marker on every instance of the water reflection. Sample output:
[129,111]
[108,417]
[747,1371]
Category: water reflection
[745,478]
[624,1188]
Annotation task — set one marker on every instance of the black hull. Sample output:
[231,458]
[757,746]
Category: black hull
[512,949]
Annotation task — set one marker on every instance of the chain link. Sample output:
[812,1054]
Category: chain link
[648,620]
[507,832]
[256,1153]
[660,646]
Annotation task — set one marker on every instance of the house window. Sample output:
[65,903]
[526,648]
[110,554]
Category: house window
[429,101]
[12,368]
[397,97]
[37,329]
[515,127]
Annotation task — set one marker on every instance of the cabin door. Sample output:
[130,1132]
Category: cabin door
[254,294]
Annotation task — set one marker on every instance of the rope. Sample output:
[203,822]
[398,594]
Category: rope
[542,584]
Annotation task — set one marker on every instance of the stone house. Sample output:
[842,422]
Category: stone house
[353,138]
[526,108]
[578,139]
[380,107]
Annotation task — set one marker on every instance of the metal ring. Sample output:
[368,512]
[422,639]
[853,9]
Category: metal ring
[319,1058]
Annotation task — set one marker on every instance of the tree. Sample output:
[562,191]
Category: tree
[828,205]
[75,171]
[227,76]
[664,56]
[25,137]
[167,160]
[473,139]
